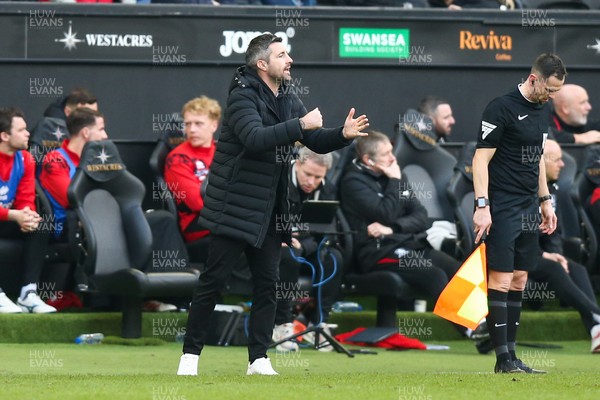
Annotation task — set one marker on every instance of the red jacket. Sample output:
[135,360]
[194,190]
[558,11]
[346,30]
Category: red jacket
[25,196]
[186,167]
[54,176]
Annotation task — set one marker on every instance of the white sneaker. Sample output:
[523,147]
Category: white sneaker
[261,366]
[596,339]
[33,304]
[7,306]
[188,364]
[281,332]
[323,345]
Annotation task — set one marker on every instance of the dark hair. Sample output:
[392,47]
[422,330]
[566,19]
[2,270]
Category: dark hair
[6,117]
[80,118]
[548,65]
[258,49]
[80,96]
[430,104]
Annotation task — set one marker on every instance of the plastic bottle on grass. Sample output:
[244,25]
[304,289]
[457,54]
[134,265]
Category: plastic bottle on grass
[89,338]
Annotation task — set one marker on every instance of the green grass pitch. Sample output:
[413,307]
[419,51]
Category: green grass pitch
[49,371]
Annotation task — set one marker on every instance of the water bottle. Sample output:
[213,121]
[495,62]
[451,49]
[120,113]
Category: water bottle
[345,306]
[89,338]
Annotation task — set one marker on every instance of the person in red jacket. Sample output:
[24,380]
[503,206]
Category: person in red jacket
[186,166]
[18,216]
[58,167]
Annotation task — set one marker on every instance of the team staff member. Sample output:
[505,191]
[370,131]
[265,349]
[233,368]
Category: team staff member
[58,167]
[569,120]
[509,179]
[18,217]
[247,190]
[186,166]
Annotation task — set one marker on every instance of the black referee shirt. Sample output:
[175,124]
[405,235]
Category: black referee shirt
[517,129]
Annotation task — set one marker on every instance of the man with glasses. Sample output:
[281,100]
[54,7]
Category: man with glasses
[247,192]
[509,180]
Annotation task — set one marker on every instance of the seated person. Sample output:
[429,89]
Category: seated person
[58,166]
[306,182]
[18,216]
[57,170]
[567,278]
[51,130]
[440,112]
[390,221]
[187,165]
[569,121]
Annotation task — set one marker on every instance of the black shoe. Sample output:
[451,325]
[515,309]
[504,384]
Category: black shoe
[484,346]
[521,365]
[507,367]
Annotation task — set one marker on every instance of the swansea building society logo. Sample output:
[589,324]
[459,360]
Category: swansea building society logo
[70,40]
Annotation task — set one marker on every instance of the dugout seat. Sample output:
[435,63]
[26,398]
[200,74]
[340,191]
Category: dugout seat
[118,241]
[427,165]
[461,196]
[47,135]
[167,142]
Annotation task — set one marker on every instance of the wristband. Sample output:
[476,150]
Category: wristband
[545,198]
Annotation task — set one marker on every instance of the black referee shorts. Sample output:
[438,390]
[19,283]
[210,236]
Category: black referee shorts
[513,242]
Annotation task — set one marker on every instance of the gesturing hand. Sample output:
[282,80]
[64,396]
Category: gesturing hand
[353,127]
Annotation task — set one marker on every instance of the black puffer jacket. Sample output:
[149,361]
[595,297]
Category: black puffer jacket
[248,178]
[368,197]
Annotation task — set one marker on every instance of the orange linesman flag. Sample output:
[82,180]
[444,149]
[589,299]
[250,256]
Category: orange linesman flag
[464,299]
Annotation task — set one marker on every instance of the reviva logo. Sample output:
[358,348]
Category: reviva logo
[491,41]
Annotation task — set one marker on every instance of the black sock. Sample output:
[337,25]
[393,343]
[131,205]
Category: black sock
[513,312]
[496,322]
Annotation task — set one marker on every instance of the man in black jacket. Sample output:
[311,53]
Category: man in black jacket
[248,188]
[569,122]
[307,182]
[389,220]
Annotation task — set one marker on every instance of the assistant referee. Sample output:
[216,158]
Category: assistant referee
[509,179]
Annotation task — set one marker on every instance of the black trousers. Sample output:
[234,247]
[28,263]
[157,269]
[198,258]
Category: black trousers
[223,255]
[428,270]
[287,287]
[574,288]
[35,244]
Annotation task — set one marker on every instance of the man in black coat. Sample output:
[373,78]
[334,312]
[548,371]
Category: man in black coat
[384,209]
[307,183]
[248,188]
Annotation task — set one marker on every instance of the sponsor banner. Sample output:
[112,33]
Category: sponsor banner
[374,43]
[168,40]
[579,45]
[451,43]
[145,40]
